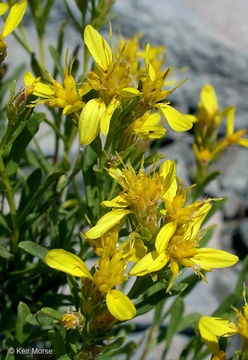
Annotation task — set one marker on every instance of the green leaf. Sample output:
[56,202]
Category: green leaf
[22,327]
[206,238]
[50,179]
[8,82]
[58,342]
[65,357]
[10,356]
[56,58]
[43,17]
[51,312]
[151,298]
[242,276]
[188,321]
[176,312]
[31,185]
[199,188]
[90,182]
[114,345]
[5,254]
[4,223]
[34,249]
[22,141]
[74,288]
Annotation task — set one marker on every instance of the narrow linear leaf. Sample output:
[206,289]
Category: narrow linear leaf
[22,141]
[50,179]
[56,58]
[22,327]
[176,312]
[34,249]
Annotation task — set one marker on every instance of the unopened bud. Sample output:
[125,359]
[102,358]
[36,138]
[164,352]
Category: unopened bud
[73,320]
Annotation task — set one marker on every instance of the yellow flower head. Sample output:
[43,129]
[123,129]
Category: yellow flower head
[65,96]
[110,273]
[113,75]
[148,126]
[212,327]
[14,18]
[142,192]
[179,245]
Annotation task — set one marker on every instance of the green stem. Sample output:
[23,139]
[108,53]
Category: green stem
[42,158]
[41,48]
[25,40]
[10,199]
[24,45]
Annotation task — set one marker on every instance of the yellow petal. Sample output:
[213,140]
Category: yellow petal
[243,142]
[150,68]
[106,222]
[3,8]
[133,249]
[168,172]
[14,18]
[209,338]
[210,327]
[208,258]
[199,216]
[40,89]
[98,47]
[164,236]
[208,98]
[230,120]
[153,119]
[105,119]
[89,121]
[115,173]
[175,119]
[130,92]
[171,192]
[192,118]
[119,305]
[67,262]
[117,202]
[151,262]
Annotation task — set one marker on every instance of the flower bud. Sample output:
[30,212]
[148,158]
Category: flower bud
[72,320]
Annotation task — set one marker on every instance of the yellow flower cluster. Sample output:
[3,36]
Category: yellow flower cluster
[120,80]
[109,272]
[207,146]
[170,229]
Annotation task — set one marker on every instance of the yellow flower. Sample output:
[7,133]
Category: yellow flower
[141,193]
[179,245]
[14,18]
[112,79]
[113,75]
[231,136]
[211,327]
[148,126]
[67,97]
[152,93]
[220,356]
[110,273]
[116,81]
[95,117]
